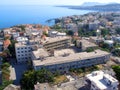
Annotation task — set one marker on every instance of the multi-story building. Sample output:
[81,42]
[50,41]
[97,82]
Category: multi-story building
[85,44]
[77,60]
[23,52]
[56,42]
[98,80]
[39,54]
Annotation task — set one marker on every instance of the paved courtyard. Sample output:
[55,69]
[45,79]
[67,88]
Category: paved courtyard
[16,72]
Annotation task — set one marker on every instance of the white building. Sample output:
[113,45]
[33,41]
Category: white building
[21,39]
[23,52]
[67,61]
[56,33]
[98,80]
[94,25]
[109,42]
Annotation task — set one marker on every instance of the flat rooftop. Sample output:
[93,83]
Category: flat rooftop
[86,43]
[21,44]
[39,53]
[55,39]
[69,58]
[63,52]
[97,78]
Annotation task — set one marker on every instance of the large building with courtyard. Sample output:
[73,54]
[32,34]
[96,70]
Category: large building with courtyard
[68,61]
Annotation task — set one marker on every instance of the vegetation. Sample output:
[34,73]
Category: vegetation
[5,71]
[70,32]
[116,52]
[5,83]
[5,75]
[57,27]
[105,46]
[60,79]
[12,48]
[104,32]
[22,27]
[45,33]
[118,30]
[116,69]
[86,33]
[83,71]
[5,55]
[90,49]
[32,77]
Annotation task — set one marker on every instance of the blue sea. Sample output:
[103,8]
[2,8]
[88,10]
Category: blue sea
[33,14]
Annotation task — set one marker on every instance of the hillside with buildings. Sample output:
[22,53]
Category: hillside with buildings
[78,52]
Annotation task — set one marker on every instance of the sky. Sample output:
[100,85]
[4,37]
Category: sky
[52,2]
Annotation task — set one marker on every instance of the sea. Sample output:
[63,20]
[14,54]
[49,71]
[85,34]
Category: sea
[11,15]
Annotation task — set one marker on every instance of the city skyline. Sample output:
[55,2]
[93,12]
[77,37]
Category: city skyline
[52,2]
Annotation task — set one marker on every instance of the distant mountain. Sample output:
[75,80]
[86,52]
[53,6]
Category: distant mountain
[92,4]
[108,7]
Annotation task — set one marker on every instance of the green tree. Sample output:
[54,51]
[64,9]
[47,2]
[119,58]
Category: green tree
[118,30]
[116,69]
[28,81]
[44,75]
[116,52]
[104,32]
[31,77]
[12,48]
[90,49]
[70,32]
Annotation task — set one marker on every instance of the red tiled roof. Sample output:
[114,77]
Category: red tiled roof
[6,43]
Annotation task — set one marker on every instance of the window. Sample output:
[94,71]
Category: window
[21,51]
[18,48]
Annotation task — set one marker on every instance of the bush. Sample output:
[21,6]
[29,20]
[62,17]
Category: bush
[32,77]
[5,65]
[116,69]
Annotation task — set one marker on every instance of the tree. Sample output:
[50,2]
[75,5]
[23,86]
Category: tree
[31,77]
[116,69]
[104,32]
[116,52]
[44,75]
[118,30]
[90,49]
[12,47]
[70,32]
[87,33]
[28,81]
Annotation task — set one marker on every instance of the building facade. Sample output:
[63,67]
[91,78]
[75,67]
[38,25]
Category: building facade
[23,52]
[78,60]
[57,42]
[98,80]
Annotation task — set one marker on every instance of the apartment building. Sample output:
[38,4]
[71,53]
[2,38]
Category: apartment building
[57,42]
[77,60]
[98,80]
[23,52]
